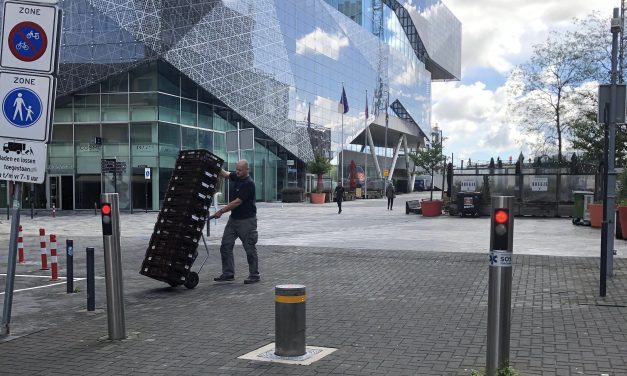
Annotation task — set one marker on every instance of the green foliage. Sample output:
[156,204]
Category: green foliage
[587,136]
[430,158]
[319,166]
[621,194]
[509,371]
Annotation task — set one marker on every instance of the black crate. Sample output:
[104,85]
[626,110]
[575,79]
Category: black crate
[179,223]
[188,189]
[201,155]
[172,248]
[182,231]
[198,211]
[186,242]
[170,216]
[194,171]
[203,181]
[181,202]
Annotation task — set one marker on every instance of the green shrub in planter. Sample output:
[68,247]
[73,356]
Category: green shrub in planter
[292,194]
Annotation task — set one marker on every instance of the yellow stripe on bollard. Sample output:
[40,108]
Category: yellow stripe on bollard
[290,299]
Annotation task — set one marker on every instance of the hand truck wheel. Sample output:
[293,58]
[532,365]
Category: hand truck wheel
[192,280]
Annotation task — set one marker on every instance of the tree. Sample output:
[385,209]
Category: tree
[429,159]
[588,138]
[552,82]
[319,166]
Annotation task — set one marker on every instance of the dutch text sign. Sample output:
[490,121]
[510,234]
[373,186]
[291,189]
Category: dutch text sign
[23,161]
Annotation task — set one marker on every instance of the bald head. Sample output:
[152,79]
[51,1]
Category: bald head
[241,168]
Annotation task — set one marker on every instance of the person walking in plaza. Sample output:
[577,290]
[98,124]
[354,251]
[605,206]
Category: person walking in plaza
[242,224]
[390,193]
[339,196]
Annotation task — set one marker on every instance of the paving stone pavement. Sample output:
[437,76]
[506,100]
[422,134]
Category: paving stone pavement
[395,294]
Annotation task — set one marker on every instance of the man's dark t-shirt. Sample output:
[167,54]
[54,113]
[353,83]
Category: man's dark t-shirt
[339,194]
[244,189]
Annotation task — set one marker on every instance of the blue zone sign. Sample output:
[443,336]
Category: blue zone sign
[22,107]
[26,102]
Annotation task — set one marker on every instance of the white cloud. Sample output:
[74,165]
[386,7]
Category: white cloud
[499,33]
[319,41]
[476,122]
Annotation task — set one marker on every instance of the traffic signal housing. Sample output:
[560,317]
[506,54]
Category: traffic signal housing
[501,237]
[107,227]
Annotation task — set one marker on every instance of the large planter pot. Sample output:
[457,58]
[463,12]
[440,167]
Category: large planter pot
[622,215]
[431,208]
[596,214]
[317,198]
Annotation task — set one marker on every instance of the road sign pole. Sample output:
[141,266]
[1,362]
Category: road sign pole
[8,294]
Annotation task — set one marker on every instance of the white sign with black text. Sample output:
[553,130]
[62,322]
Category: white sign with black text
[23,161]
[539,184]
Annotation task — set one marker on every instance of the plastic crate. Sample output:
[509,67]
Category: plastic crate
[201,154]
[167,265]
[180,202]
[183,231]
[198,210]
[188,189]
[193,171]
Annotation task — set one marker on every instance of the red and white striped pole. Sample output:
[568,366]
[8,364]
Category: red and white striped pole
[53,258]
[20,247]
[44,253]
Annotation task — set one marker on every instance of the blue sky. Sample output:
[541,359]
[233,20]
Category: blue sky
[497,35]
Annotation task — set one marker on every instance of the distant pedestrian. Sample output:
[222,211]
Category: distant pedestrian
[390,193]
[339,196]
[242,224]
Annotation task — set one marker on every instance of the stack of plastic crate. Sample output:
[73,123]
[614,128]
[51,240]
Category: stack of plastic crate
[173,246]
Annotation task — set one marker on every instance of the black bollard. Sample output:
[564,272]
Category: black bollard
[91,283]
[290,317]
[69,257]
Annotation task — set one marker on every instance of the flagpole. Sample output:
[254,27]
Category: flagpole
[342,152]
[366,154]
[385,167]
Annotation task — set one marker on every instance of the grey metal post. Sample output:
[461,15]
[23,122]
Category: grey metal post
[113,265]
[69,257]
[290,317]
[500,283]
[91,281]
[609,178]
[8,294]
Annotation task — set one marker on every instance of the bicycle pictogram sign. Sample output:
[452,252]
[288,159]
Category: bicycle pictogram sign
[27,41]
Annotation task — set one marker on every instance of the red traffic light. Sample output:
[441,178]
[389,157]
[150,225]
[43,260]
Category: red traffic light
[106,209]
[501,216]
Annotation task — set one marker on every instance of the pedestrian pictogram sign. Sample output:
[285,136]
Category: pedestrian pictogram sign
[29,37]
[25,103]
[147,173]
[22,107]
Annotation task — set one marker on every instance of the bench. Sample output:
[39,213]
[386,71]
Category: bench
[413,206]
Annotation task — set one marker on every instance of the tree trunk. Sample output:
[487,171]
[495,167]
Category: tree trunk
[319,186]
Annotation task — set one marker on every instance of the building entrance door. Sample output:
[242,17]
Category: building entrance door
[60,192]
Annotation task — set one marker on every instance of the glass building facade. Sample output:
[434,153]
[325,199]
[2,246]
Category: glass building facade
[148,78]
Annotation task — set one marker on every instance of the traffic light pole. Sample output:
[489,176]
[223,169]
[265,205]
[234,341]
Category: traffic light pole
[10,279]
[500,283]
[110,209]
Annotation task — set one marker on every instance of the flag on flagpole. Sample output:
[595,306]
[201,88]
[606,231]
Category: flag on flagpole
[309,116]
[343,107]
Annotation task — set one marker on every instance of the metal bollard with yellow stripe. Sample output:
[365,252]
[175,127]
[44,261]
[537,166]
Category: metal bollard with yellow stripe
[289,309]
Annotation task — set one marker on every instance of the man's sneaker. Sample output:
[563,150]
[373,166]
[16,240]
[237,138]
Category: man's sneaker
[224,278]
[252,279]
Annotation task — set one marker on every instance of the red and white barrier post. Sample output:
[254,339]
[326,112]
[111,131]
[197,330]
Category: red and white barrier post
[44,252]
[53,258]
[20,246]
